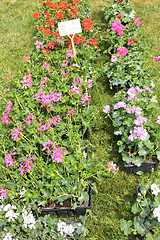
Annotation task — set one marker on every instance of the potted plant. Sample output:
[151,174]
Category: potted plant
[138,136]
[146,221]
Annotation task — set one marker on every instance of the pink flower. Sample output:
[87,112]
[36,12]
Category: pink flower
[27,81]
[16,133]
[85,99]
[158,121]
[47,146]
[113,59]
[120,105]
[138,132]
[119,16]
[117,27]
[136,20]
[70,113]
[9,159]
[3,193]
[27,166]
[157,59]
[140,120]
[64,63]
[38,45]
[148,89]
[106,109]
[44,82]
[26,58]
[112,167]
[70,53]
[29,119]
[5,119]
[57,155]
[122,51]
[56,120]
[155,189]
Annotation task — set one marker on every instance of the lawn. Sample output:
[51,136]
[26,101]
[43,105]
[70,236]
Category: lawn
[114,195]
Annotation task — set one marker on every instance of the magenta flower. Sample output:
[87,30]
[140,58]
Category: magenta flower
[16,133]
[46,66]
[56,120]
[136,20]
[117,27]
[70,113]
[106,109]
[29,119]
[64,63]
[119,16]
[113,59]
[3,193]
[28,165]
[57,155]
[122,51]
[27,81]
[5,119]
[9,159]
[157,59]
[47,146]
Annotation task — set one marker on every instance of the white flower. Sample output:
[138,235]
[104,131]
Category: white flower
[155,189]
[29,220]
[22,192]
[11,215]
[61,226]
[8,236]
[7,207]
[156,213]
[69,229]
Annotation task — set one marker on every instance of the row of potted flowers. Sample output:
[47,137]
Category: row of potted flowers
[132,114]
[47,111]
[134,104]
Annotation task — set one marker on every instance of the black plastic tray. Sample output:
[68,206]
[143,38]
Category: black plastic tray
[68,211]
[145,167]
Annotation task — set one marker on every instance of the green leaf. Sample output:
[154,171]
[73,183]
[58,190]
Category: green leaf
[84,197]
[126,226]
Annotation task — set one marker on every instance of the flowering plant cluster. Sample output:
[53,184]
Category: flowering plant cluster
[19,222]
[146,210]
[133,106]
[123,46]
[132,113]
[46,113]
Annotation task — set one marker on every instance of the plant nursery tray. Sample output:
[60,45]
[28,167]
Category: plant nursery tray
[145,167]
[68,211]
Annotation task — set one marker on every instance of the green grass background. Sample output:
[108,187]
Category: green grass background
[115,195]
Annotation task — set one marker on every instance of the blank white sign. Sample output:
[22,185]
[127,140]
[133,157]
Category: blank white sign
[69,27]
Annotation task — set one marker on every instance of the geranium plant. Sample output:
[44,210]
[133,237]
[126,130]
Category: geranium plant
[131,114]
[146,221]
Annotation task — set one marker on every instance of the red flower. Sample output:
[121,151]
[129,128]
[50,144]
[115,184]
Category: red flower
[47,14]
[119,0]
[49,4]
[93,41]
[59,15]
[51,45]
[62,5]
[75,9]
[46,51]
[51,23]
[87,23]
[78,40]
[36,15]
[74,1]
[55,7]
[73,15]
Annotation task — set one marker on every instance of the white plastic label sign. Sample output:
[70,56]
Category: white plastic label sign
[69,27]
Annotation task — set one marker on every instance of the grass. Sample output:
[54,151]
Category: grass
[115,195]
